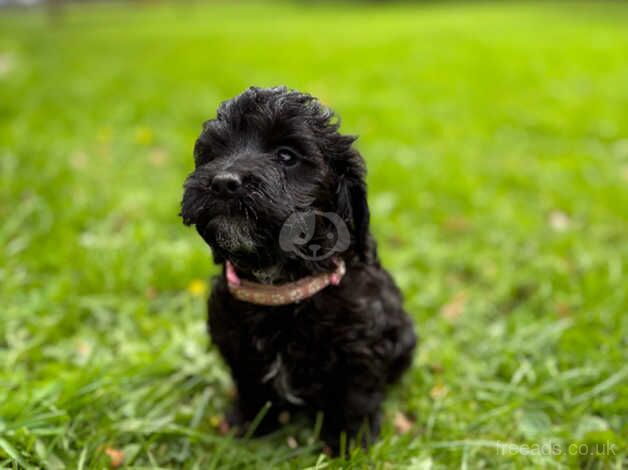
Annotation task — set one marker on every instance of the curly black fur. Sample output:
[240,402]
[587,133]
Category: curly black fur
[337,351]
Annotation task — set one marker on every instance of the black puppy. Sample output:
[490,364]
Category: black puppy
[303,314]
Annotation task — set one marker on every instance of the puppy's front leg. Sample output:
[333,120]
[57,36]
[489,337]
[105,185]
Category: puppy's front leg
[357,413]
[251,400]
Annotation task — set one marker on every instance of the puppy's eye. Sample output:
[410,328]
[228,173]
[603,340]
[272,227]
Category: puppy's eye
[287,157]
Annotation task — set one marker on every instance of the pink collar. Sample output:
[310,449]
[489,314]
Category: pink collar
[284,294]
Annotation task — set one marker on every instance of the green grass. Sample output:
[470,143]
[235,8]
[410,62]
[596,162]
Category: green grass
[497,142]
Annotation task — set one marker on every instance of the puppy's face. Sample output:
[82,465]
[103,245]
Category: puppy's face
[270,153]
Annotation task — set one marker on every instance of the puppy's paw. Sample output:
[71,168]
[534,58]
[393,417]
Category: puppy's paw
[233,421]
[237,423]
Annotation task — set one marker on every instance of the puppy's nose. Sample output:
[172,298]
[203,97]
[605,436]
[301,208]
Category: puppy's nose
[226,184]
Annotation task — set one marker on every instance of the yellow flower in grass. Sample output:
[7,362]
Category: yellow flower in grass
[144,135]
[197,288]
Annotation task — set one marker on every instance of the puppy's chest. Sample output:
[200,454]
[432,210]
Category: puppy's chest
[291,361]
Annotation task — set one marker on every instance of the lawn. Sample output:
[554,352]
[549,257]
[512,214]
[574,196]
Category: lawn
[496,136]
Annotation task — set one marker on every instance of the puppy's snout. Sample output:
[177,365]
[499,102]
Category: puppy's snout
[226,184]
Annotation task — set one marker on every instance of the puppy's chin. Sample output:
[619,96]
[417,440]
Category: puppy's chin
[232,236]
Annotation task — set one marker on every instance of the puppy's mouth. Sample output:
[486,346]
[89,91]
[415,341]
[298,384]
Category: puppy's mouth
[229,233]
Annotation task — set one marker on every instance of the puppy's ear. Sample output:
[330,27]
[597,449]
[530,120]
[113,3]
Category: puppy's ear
[351,200]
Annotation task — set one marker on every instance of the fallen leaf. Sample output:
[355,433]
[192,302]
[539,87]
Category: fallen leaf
[78,160]
[559,221]
[158,157]
[197,288]
[118,222]
[439,391]
[396,242]
[84,351]
[402,423]
[456,223]
[563,310]
[455,307]
[7,64]
[224,427]
[116,457]
[284,417]
[150,292]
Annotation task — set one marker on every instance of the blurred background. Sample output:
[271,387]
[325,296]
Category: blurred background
[496,138]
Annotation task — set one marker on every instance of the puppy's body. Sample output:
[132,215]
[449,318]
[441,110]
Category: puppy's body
[336,351]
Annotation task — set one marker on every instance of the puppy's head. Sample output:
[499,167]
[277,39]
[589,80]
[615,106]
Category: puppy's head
[269,154]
